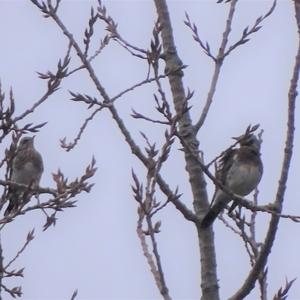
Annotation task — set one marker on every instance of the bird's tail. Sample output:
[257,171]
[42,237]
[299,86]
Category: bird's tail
[209,218]
[219,203]
[13,204]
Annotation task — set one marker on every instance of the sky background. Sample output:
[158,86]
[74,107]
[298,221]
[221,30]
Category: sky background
[94,247]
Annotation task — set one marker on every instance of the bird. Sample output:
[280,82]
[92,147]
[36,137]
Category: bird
[27,169]
[240,170]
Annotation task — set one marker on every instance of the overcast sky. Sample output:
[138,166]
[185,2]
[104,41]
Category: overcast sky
[94,247]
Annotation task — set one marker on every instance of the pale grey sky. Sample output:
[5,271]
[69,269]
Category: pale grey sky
[94,247]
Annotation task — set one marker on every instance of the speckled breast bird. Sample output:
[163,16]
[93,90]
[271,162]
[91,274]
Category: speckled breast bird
[240,171]
[27,168]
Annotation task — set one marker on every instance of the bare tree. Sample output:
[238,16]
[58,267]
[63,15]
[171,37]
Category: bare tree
[173,117]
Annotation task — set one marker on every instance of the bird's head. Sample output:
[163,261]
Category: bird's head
[248,140]
[26,142]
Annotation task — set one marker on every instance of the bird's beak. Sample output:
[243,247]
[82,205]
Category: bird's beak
[238,138]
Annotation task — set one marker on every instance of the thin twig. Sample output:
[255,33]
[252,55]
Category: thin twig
[141,83]
[146,252]
[53,84]
[29,238]
[248,32]
[164,289]
[70,146]
[74,295]
[218,64]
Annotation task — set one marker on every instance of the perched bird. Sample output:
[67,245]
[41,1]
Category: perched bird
[27,169]
[240,171]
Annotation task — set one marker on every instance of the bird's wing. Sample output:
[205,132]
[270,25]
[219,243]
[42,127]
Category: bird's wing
[225,165]
[220,198]
[37,161]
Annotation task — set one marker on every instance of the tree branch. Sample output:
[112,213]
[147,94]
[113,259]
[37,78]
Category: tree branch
[288,152]
[218,65]
[209,282]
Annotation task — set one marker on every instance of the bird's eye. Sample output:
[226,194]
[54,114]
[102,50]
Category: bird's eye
[24,142]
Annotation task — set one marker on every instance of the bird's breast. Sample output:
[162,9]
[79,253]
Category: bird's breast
[25,175]
[243,179]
